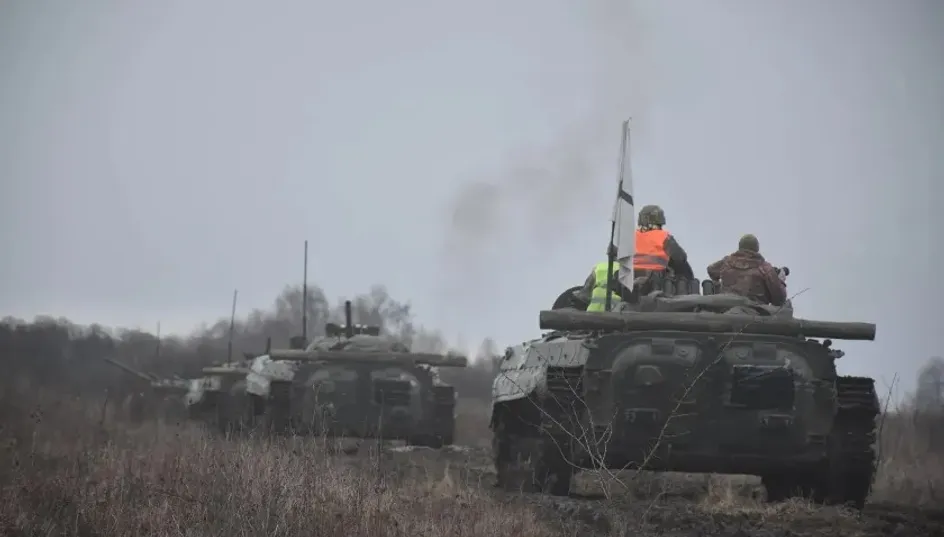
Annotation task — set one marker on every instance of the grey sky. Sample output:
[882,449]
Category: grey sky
[157,155]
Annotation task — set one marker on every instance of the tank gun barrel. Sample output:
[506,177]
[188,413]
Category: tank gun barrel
[131,371]
[437,360]
[705,322]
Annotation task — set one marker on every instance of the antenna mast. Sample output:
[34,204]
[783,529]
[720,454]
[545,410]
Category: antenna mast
[305,296]
[232,328]
[157,351]
[348,320]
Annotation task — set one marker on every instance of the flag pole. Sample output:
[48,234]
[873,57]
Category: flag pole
[611,250]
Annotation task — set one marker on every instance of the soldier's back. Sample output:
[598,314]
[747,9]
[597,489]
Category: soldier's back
[741,274]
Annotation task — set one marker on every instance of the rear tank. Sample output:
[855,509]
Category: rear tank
[358,383]
[687,383]
[154,397]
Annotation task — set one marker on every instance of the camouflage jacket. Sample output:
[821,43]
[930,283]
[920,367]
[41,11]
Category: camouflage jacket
[748,274]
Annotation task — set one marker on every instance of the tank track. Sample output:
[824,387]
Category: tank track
[538,457]
[852,444]
[845,477]
[440,430]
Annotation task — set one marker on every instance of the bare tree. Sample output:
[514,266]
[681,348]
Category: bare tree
[58,351]
[929,396]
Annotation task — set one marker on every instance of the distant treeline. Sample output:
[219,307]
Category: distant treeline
[70,356]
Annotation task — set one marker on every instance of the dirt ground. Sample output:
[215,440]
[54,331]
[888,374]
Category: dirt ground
[77,468]
[672,504]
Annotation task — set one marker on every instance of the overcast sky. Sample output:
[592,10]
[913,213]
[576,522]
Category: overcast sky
[155,156]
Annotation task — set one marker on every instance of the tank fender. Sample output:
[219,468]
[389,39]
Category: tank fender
[511,386]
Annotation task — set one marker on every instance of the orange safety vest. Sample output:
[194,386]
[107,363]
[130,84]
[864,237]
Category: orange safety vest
[650,250]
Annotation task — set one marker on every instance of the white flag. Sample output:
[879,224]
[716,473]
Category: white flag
[624,214]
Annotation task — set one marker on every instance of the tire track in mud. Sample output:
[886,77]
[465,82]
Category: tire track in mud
[671,505]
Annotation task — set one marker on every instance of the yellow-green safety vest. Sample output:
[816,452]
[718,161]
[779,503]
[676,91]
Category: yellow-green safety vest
[598,297]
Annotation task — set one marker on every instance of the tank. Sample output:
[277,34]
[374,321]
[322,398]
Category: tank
[154,397]
[687,383]
[215,397]
[358,383]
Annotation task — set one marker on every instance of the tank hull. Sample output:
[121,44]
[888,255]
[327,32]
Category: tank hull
[363,409]
[771,406]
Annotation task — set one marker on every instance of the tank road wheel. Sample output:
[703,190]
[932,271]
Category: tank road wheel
[530,463]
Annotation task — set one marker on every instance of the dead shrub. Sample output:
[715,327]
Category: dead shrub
[71,469]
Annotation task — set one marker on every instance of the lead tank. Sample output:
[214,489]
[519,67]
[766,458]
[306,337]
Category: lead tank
[688,383]
[354,382]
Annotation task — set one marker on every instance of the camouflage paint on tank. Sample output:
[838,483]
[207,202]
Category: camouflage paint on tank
[383,392]
[681,400]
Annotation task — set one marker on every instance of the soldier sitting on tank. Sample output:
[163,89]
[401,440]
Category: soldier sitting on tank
[658,255]
[657,252]
[746,273]
[593,292]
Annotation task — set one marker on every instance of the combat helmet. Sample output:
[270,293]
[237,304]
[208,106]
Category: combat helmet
[749,243]
[651,216]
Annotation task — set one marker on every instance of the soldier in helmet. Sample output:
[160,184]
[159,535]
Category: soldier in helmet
[656,248]
[747,273]
[656,251]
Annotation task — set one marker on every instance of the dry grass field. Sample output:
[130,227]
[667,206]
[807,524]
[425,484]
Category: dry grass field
[75,467]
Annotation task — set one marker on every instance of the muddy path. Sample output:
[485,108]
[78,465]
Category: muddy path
[662,504]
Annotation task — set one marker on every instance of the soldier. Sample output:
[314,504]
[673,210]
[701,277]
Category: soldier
[747,273]
[656,248]
[656,251]
[593,291]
